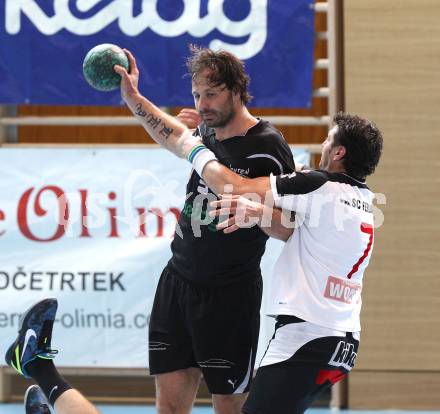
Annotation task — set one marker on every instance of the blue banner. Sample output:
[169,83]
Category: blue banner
[43,44]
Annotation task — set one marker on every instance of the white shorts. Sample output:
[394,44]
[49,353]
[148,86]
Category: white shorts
[290,337]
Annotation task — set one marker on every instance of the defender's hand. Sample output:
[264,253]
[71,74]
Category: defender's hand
[242,212]
[189,117]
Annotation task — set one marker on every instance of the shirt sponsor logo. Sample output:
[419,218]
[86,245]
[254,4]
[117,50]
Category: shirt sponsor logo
[342,290]
[291,175]
[240,171]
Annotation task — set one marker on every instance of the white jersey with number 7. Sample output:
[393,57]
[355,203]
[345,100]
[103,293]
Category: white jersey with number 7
[318,276]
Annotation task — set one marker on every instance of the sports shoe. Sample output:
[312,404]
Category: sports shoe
[35,402]
[34,336]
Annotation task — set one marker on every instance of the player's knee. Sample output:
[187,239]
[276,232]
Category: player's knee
[171,407]
[228,404]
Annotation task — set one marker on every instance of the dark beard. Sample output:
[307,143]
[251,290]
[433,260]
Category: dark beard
[222,121]
[223,118]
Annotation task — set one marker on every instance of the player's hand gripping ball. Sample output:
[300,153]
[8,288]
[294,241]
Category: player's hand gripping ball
[98,66]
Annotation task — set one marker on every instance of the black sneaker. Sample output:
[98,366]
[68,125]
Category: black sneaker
[34,336]
[35,401]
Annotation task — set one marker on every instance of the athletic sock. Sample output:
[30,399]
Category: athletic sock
[43,371]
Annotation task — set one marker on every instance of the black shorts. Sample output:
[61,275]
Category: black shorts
[211,328]
[301,361]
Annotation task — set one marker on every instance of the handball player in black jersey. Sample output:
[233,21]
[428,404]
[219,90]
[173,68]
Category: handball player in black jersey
[206,312]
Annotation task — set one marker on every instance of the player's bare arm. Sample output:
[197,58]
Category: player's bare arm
[217,176]
[244,213]
[163,128]
[281,225]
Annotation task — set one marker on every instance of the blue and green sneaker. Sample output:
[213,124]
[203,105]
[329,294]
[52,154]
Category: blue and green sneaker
[34,336]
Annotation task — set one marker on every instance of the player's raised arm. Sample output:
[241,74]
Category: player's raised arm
[163,128]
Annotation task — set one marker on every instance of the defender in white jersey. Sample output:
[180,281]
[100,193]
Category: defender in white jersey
[317,282]
[322,282]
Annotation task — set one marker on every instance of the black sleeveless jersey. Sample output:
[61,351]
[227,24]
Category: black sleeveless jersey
[204,255]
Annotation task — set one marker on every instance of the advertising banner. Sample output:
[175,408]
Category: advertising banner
[91,227]
[43,44]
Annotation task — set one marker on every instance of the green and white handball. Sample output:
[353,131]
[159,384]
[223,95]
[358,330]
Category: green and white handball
[98,66]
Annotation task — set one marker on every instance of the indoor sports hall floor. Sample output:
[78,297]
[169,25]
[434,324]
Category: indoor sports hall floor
[143,409]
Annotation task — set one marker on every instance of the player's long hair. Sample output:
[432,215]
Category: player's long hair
[226,69]
[363,143]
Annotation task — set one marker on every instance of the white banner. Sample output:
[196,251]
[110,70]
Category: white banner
[92,227]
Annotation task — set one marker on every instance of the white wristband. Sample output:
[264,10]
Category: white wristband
[199,156]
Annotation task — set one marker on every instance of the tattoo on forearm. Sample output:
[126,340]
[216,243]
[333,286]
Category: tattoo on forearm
[154,122]
[140,110]
[166,131]
[151,120]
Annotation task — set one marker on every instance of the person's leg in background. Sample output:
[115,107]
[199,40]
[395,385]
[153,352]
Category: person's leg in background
[31,356]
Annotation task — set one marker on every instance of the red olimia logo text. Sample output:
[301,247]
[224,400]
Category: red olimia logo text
[26,207]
